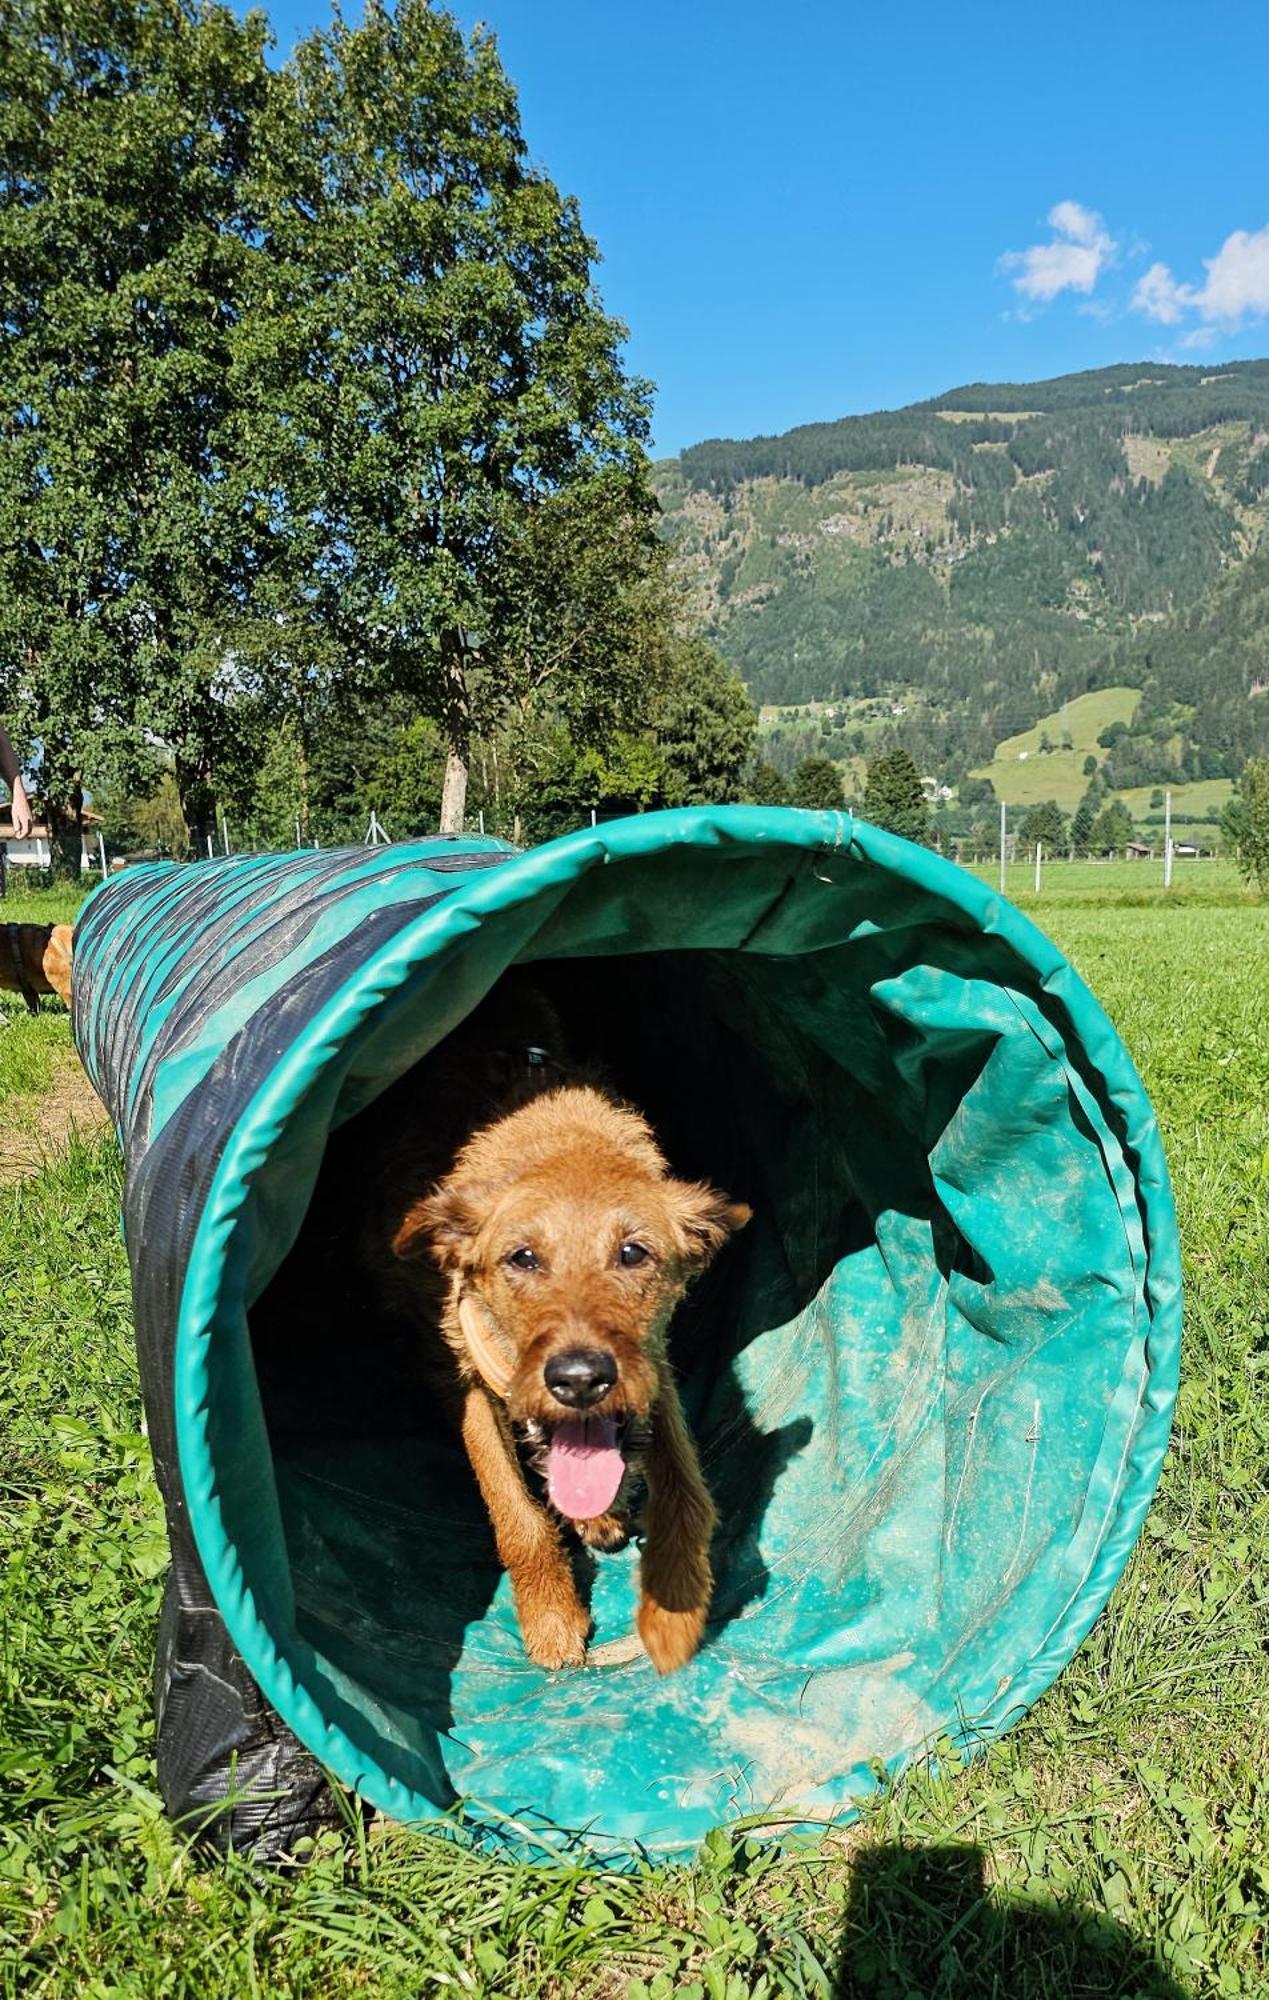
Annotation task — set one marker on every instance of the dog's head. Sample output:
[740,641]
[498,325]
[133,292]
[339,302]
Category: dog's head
[563,1232]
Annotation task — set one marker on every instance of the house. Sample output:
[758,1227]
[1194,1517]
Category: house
[1138,850]
[34,851]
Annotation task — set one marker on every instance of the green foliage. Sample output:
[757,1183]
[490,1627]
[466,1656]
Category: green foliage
[313,406]
[976,792]
[768,786]
[1246,822]
[894,799]
[705,727]
[448,451]
[1001,566]
[563,785]
[403,783]
[1112,828]
[123,252]
[1046,823]
[817,785]
[1084,820]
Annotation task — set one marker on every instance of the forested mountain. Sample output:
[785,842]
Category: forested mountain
[981,558]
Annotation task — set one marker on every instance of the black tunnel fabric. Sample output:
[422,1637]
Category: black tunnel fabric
[931,1388]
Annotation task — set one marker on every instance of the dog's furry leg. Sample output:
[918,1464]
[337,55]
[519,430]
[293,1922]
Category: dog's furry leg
[676,1581]
[553,1622]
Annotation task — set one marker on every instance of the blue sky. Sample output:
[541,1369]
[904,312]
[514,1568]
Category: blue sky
[818,209]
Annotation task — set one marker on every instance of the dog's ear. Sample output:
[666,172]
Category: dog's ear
[706,1218]
[441,1225]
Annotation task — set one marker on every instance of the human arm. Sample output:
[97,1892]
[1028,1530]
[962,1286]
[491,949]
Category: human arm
[11,772]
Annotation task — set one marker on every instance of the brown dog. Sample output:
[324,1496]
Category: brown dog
[545,1264]
[35,959]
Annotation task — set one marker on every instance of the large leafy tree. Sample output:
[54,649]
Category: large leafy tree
[125,128]
[449,452]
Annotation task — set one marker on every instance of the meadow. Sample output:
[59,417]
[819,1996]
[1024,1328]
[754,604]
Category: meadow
[1112,1845]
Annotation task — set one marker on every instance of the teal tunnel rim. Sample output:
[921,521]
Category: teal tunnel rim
[485,897]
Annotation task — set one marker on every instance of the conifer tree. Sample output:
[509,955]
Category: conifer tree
[767,785]
[894,797]
[1246,822]
[817,785]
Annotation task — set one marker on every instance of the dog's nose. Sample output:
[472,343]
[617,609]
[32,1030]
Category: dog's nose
[582,1376]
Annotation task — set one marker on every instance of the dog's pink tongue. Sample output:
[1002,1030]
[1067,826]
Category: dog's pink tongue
[584,1468]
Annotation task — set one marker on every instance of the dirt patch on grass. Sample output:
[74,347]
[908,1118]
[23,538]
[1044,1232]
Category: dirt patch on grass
[32,1129]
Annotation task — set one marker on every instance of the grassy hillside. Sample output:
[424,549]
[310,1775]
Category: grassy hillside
[995,554]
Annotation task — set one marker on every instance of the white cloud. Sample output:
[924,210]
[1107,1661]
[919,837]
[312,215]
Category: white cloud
[1073,261]
[1236,287]
[1159,296]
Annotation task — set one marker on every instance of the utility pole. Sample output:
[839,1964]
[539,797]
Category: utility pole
[1039,850]
[1167,840]
[1002,847]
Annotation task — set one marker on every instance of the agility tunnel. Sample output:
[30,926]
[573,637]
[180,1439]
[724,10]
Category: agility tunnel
[931,1383]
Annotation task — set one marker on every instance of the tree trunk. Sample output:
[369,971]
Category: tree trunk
[66,834]
[457,727]
[198,808]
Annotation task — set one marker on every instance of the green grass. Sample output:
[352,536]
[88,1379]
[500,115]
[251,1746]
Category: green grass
[31,1044]
[1025,775]
[28,901]
[1083,720]
[1112,1845]
[1211,882]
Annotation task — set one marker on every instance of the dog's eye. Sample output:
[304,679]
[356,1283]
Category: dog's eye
[523,1259]
[631,1254]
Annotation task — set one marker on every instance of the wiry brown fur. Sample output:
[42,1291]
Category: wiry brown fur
[43,953]
[564,1170]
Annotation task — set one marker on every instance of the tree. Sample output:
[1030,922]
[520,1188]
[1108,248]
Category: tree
[1245,822]
[1112,829]
[1046,823]
[1082,823]
[1090,765]
[974,792]
[446,433]
[894,797]
[122,247]
[767,786]
[704,726]
[817,785]
[569,784]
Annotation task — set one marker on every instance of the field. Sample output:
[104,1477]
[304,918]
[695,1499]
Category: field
[1113,1845]
[1026,775]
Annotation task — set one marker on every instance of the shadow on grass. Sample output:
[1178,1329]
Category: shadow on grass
[923,1925]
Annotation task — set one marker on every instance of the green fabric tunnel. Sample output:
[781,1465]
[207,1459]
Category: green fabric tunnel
[931,1383]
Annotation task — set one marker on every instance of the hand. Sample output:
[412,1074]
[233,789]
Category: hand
[20,811]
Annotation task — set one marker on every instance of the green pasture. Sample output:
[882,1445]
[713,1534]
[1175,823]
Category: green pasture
[1210,882]
[1113,1845]
[1025,775]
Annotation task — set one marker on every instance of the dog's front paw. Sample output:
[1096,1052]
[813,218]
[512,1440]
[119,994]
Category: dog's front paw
[670,1638]
[554,1634]
[607,1533]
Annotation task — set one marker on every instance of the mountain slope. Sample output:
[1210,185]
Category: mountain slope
[987,555]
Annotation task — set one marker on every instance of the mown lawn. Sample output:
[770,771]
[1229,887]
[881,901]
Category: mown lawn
[1114,1844]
